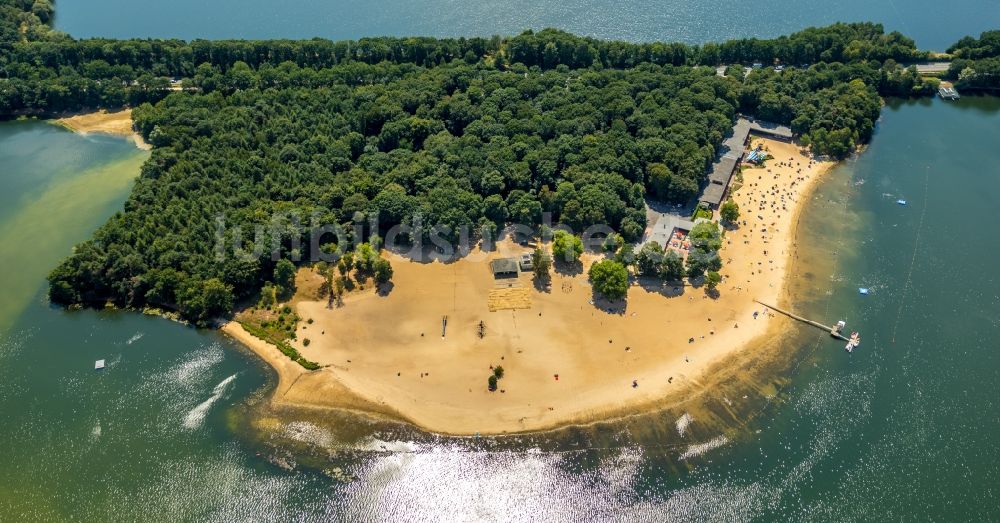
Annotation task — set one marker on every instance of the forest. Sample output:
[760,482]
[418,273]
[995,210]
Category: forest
[437,134]
[976,63]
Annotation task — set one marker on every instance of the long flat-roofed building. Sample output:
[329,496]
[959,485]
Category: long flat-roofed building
[731,154]
[722,170]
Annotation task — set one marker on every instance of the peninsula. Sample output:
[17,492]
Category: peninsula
[317,192]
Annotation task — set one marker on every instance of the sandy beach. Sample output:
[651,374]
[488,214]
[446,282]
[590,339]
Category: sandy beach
[565,360]
[118,123]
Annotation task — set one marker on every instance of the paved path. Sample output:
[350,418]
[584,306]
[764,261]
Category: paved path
[933,67]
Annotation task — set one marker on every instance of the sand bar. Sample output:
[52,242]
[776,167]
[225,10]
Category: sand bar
[118,123]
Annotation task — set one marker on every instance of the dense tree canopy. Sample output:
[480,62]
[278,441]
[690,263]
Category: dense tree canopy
[25,20]
[986,46]
[439,135]
[977,62]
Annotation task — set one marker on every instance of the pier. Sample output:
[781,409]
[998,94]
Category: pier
[947,91]
[833,331]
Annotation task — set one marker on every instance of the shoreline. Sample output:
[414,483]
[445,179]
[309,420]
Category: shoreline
[118,123]
[367,388]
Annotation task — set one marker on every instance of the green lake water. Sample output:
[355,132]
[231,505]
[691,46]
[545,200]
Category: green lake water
[903,429]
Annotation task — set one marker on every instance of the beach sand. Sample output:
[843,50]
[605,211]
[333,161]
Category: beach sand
[117,123]
[386,354]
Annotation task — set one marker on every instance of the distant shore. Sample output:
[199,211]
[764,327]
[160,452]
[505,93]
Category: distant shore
[118,123]
[566,360]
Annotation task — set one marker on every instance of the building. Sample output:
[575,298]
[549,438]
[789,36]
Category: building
[721,172]
[731,154]
[771,130]
[665,228]
[527,265]
[504,268]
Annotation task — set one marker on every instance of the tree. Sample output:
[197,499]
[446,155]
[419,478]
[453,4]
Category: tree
[612,243]
[541,263]
[383,271]
[730,211]
[626,255]
[660,180]
[609,278]
[217,298]
[566,247]
[365,257]
[706,236]
[649,259]
[672,268]
[712,280]
[284,276]
[492,382]
[700,261]
[268,296]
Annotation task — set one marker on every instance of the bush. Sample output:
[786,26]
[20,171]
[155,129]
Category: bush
[285,348]
[492,382]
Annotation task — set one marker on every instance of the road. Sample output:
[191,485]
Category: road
[928,68]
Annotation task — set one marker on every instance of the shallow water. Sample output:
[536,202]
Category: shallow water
[901,429]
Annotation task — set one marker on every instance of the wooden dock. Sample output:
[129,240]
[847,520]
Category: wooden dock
[793,316]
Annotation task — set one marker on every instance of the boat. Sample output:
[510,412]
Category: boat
[901,202]
[99,364]
[853,342]
[838,328]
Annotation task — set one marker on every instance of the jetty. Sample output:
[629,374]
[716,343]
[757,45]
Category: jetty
[948,93]
[831,329]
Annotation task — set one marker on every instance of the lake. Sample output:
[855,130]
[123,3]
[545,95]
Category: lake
[932,24]
[902,429]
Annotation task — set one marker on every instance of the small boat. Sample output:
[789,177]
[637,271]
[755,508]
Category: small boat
[99,364]
[838,328]
[901,202]
[853,342]
[863,291]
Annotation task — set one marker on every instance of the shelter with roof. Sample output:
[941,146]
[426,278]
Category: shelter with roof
[504,268]
[771,130]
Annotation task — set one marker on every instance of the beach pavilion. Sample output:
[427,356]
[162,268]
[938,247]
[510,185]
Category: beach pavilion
[505,268]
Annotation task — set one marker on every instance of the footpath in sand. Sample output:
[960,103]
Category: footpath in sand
[118,123]
[417,353]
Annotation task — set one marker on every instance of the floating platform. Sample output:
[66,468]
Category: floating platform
[99,364]
[948,93]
